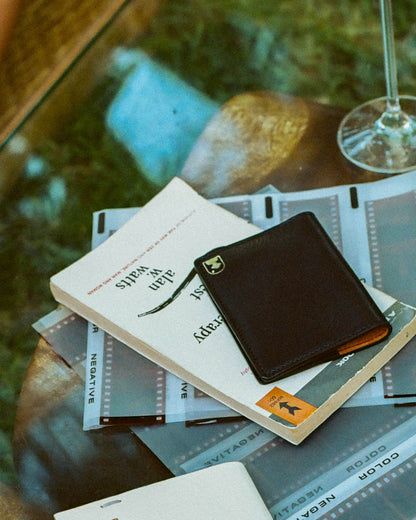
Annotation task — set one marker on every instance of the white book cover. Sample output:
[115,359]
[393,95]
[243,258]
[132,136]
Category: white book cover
[221,492]
[141,266]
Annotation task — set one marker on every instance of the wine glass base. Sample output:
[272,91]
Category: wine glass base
[371,139]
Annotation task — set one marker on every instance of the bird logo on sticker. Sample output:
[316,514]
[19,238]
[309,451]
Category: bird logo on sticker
[214,265]
[290,409]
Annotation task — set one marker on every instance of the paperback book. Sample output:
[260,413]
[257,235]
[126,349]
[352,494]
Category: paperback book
[146,261]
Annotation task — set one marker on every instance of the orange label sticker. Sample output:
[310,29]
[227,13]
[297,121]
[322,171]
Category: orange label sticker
[287,406]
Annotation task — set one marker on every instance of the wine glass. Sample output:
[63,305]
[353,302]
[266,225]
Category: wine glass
[380,135]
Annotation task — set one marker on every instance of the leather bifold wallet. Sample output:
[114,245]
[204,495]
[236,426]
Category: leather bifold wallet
[290,298]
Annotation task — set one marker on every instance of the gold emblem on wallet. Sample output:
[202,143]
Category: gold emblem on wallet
[214,265]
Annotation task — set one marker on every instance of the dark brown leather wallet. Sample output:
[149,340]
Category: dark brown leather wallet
[290,298]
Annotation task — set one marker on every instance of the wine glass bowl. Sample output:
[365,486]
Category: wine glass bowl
[380,135]
[380,138]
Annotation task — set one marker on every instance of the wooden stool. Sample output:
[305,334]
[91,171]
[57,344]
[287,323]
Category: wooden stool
[255,139]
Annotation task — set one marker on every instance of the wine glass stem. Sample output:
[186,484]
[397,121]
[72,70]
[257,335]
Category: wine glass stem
[393,105]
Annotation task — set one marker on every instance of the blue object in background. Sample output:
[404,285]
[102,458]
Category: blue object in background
[157,117]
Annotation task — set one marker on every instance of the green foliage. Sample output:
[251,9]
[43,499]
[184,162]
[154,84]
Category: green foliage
[328,51]
[45,226]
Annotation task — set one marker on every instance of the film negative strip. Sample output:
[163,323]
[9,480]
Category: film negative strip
[392,243]
[198,394]
[130,397]
[399,376]
[217,443]
[66,333]
[326,210]
[376,500]
[334,464]
[295,481]
[241,208]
